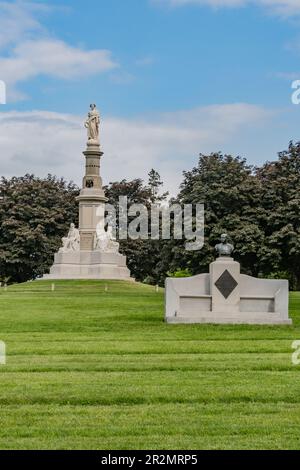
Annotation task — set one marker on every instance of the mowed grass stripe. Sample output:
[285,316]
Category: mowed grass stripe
[109,427]
[169,362]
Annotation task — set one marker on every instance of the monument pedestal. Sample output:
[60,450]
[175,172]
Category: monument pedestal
[91,199]
[225,285]
[89,265]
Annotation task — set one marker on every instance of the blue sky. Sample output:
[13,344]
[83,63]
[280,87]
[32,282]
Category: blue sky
[172,78]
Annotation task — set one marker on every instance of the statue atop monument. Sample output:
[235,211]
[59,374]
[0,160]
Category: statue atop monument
[72,241]
[92,125]
[224,248]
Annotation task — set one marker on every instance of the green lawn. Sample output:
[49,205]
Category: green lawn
[90,369]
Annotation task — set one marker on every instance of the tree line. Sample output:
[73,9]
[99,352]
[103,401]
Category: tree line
[258,206]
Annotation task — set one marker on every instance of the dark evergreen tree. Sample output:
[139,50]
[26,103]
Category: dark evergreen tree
[155,184]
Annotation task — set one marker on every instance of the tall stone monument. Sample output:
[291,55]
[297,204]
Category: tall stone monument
[224,295]
[90,252]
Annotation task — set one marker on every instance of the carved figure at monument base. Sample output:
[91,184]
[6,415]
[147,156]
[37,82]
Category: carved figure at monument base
[72,241]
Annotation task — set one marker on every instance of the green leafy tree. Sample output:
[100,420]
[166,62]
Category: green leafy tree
[279,209]
[143,256]
[34,214]
[231,194]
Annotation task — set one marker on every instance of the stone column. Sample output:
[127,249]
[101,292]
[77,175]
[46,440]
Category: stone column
[225,285]
[92,198]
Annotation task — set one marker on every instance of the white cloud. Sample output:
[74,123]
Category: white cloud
[53,58]
[32,52]
[18,21]
[281,7]
[42,142]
